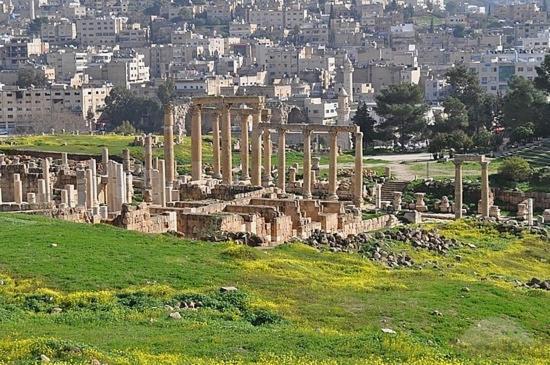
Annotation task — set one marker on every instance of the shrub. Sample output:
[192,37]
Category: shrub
[261,317]
[515,169]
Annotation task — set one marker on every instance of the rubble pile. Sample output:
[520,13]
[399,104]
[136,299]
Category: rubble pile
[535,283]
[420,238]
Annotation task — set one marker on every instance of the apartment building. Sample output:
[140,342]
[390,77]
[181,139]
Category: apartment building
[58,32]
[67,63]
[60,106]
[99,31]
[18,50]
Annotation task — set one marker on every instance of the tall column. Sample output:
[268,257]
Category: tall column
[227,163]
[162,183]
[81,188]
[148,157]
[0,195]
[306,189]
[216,148]
[169,144]
[105,157]
[93,168]
[41,188]
[126,159]
[244,146]
[129,188]
[64,160]
[17,189]
[267,178]
[333,166]
[358,175]
[47,181]
[281,160]
[256,158]
[89,189]
[485,189]
[458,189]
[196,142]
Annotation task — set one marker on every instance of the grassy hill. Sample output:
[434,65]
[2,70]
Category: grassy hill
[294,305]
[538,155]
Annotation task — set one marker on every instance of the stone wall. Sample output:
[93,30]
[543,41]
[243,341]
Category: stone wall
[510,199]
[139,218]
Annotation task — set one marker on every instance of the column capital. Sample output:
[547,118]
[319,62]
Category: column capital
[282,129]
[196,108]
[307,130]
[484,164]
[333,133]
[457,163]
[358,134]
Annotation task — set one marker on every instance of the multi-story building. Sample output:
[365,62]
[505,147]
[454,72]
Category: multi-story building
[67,63]
[124,68]
[99,31]
[60,106]
[18,50]
[59,32]
[496,70]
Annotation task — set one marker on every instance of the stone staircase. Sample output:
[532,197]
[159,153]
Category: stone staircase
[390,186]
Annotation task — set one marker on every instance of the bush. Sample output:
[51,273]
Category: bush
[515,169]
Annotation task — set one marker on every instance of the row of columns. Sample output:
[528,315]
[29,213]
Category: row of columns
[222,163]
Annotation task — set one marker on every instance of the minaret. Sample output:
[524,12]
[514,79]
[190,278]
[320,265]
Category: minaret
[343,111]
[348,77]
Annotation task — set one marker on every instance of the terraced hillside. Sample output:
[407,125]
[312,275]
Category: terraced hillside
[84,294]
[538,155]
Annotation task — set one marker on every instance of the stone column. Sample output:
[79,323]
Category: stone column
[162,183]
[333,166]
[169,145]
[64,199]
[129,188]
[81,188]
[120,186]
[216,148]
[306,189]
[458,189]
[244,145]
[126,159]
[93,168]
[47,181]
[227,162]
[148,157]
[1,196]
[256,158]
[292,175]
[358,175]
[105,157]
[70,196]
[31,198]
[485,189]
[530,211]
[267,178]
[281,160]
[17,189]
[64,160]
[89,189]
[378,195]
[41,191]
[196,142]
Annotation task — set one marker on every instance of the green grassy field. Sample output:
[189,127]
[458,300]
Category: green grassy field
[294,305]
[447,169]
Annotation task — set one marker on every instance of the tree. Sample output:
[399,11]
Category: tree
[515,169]
[523,133]
[542,81]
[28,77]
[126,128]
[459,31]
[143,113]
[166,91]
[457,114]
[438,142]
[481,106]
[460,141]
[523,105]
[366,123]
[402,109]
